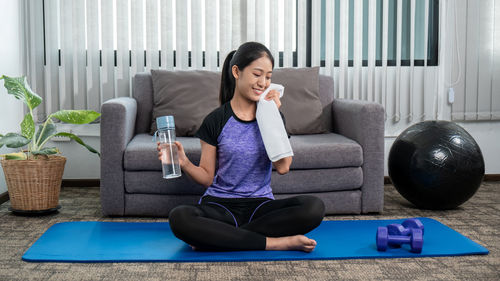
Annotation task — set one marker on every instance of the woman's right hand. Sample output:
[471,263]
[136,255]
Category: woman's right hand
[183,160]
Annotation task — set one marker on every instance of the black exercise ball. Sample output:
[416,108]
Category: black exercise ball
[436,165]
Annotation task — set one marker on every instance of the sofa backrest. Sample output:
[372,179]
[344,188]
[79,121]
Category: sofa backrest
[326,95]
[142,92]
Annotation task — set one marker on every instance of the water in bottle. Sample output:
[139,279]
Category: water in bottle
[170,158]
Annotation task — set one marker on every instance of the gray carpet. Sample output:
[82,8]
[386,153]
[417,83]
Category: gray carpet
[478,219]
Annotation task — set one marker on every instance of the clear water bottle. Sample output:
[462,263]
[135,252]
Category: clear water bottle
[170,157]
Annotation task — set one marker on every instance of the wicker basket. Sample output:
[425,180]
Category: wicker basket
[34,185]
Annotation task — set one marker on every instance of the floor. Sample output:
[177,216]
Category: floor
[478,219]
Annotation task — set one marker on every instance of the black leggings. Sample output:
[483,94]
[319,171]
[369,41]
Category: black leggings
[229,224]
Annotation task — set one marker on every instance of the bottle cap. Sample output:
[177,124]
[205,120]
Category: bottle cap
[165,122]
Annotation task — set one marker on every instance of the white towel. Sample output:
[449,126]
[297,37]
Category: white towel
[271,126]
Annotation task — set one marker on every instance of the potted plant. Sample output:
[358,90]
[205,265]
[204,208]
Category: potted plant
[34,174]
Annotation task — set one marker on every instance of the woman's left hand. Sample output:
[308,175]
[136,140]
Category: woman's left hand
[274,95]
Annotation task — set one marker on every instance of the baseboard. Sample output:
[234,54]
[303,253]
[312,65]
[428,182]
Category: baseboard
[490,177]
[81,183]
[4,197]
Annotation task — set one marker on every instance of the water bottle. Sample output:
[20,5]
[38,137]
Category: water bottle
[170,158]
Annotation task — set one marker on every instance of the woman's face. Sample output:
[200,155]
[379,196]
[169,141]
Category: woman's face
[254,79]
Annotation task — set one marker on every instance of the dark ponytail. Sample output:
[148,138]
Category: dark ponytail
[245,55]
[227,82]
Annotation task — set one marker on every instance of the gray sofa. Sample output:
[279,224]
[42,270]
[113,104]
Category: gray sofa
[343,167]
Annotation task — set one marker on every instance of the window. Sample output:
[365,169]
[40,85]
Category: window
[433,28]
[432,46]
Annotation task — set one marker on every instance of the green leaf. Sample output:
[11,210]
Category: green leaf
[13,140]
[46,151]
[15,156]
[78,140]
[76,116]
[28,126]
[19,88]
[50,130]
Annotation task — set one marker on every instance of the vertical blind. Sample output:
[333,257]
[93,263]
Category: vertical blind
[475,52]
[84,52]
[81,53]
[372,50]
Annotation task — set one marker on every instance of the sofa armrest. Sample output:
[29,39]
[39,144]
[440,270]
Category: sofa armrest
[363,122]
[117,129]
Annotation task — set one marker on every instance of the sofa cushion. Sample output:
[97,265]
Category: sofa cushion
[141,153]
[322,151]
[317,180]
[152,182]
[319,151]
[187,95]
[301,104]
[160,205]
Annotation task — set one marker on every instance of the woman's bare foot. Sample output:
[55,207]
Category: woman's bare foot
[287,243]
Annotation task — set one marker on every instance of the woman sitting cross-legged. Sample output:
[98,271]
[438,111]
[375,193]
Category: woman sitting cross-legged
[238,210]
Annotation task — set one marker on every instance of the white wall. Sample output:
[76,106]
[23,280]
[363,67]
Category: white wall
[487,136]
[11,64]
[80,163]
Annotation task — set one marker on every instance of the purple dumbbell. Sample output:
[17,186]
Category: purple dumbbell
[397,229]
[415,239]
[404,229]
[412,223]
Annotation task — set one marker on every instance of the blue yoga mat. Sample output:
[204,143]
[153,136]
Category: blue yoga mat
[154,242]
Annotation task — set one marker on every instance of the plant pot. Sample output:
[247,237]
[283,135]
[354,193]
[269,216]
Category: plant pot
[34,185]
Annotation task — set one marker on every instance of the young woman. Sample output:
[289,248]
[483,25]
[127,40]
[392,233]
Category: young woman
[238,210]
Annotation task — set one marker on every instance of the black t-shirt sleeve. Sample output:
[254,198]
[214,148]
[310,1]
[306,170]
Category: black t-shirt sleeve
[208,131]
[212,125]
